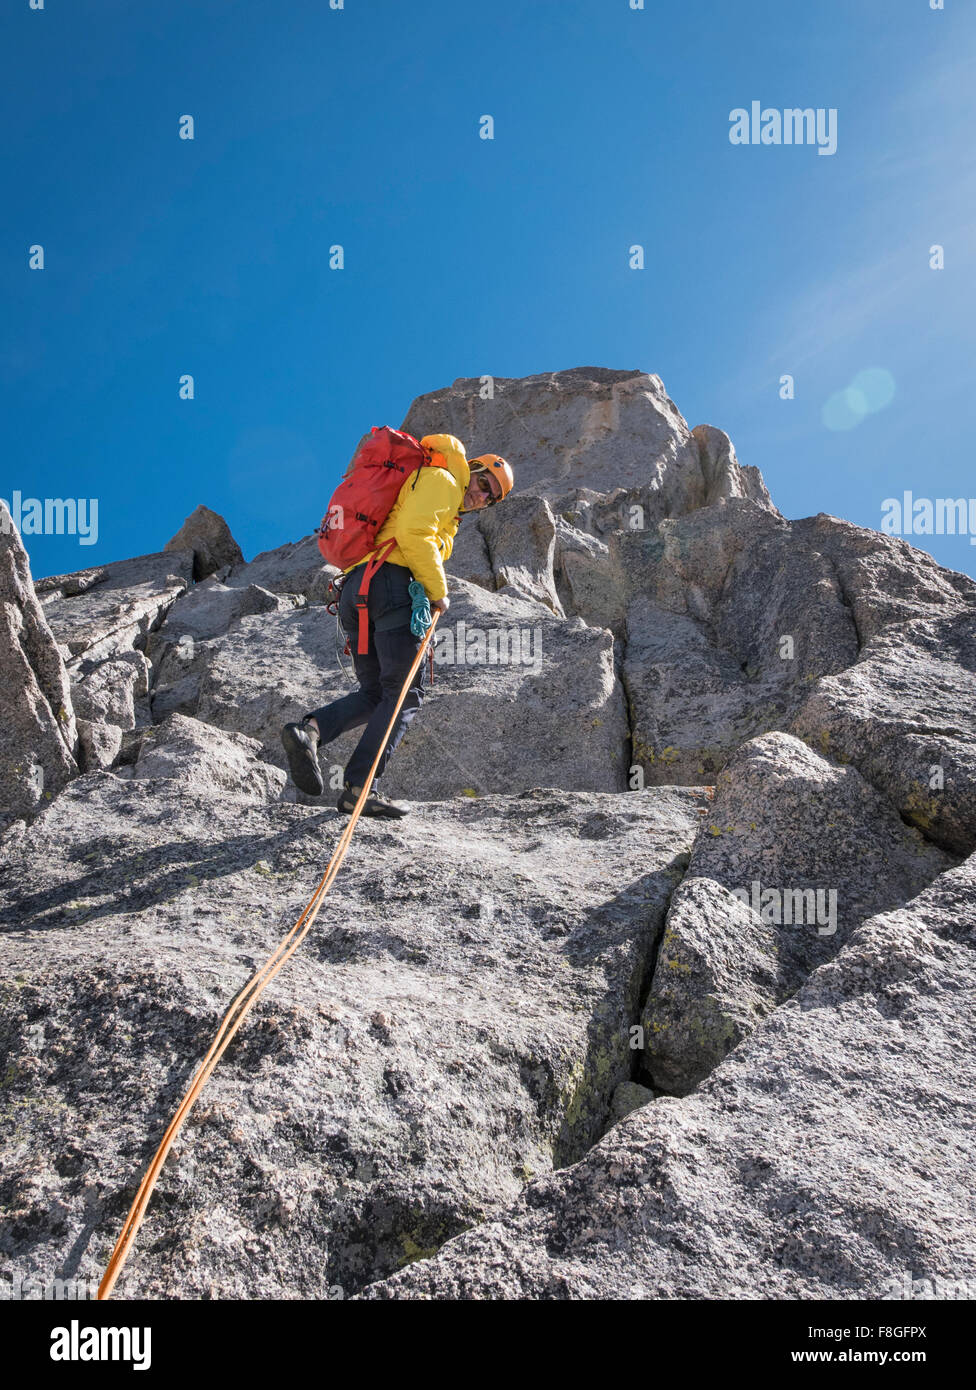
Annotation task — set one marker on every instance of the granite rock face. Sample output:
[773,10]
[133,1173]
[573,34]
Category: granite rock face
[905,714]
[449,1030]
[103,618]
[589,428]
[194,755]
[664,989]
[521,542]
[110,609]
[794,855]
[38,733]
[829,1156]
[111,700]
[181,649]
[294,568]
[502,662]
[724,475]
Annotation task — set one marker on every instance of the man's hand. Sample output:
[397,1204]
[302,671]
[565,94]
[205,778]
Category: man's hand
[440,605]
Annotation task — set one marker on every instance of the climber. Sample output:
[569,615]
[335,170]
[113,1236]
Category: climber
[420,530]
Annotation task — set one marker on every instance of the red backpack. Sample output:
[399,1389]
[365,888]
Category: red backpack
[384,458]
[370,485]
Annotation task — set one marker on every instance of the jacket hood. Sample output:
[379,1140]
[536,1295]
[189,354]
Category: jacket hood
[448,453]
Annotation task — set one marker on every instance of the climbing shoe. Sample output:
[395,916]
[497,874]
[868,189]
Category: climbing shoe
[301,743]
[373,805]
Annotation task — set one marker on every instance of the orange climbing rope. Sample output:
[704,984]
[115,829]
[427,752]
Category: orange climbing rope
[246,1000]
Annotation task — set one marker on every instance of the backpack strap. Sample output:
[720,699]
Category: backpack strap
[428,461]
[362,597]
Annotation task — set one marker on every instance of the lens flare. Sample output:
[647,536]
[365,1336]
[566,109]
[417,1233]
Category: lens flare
[871,390]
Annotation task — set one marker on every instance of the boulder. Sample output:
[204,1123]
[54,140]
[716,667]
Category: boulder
[520,541]
[723,475]
[793,856]
[103,619]
[730,622]
[210,608]
[523,545]
[99,744]
[209,537]
[196,756]
[178,669]
[110,701]
[589,580]
[628,1096]
[691,705]
[682,562]
[905,715]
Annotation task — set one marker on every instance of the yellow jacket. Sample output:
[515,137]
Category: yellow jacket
[424,519]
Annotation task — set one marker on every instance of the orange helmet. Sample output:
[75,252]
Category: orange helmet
[499,469]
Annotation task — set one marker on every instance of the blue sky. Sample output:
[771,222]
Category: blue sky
[359,126]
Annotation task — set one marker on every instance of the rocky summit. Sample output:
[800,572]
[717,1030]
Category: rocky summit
[664,989]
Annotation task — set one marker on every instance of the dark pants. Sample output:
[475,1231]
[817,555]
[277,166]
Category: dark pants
[381,671]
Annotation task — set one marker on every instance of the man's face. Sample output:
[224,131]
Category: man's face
[481,490]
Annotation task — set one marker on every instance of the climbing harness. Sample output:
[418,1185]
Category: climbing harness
[419,623]
[247,998]
[362,595]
